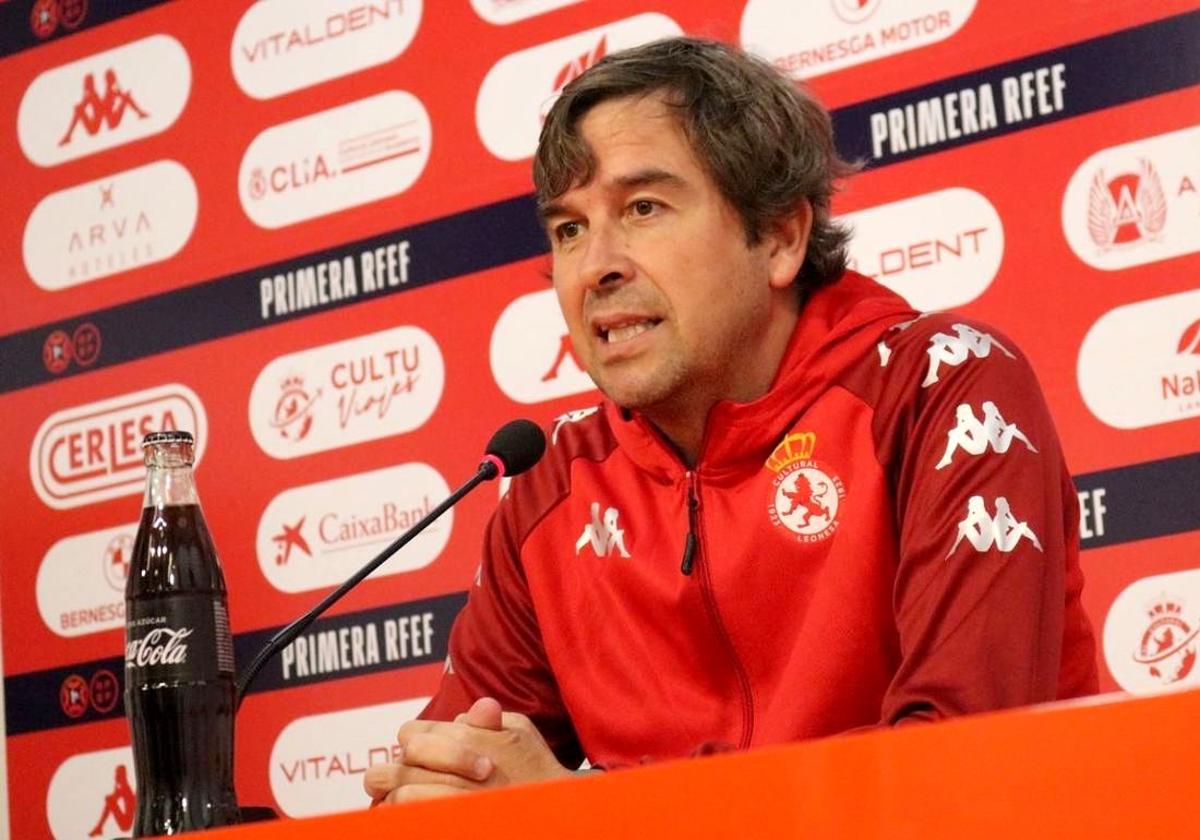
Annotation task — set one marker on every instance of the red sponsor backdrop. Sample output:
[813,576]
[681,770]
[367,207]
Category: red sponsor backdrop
[1043,296]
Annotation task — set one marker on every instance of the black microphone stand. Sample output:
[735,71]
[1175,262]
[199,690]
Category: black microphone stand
[488,470]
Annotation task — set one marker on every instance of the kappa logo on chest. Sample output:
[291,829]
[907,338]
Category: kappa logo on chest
[603,533]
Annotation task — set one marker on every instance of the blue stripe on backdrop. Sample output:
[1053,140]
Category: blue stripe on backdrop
[1099,73]
[378,639]
[28,23]
[1140,501]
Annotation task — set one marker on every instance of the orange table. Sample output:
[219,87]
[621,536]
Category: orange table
[1106,768]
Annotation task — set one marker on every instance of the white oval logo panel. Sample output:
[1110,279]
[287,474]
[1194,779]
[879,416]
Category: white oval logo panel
[318,761]
[361,389]
[329,161]
[1139,364]
[320,534]
[531,353]
[93,452]
[1137,203]
[104,100]
[831,34]
[518,91]
[1150,635]
[938,250]
[110,225]
[81,582]
[509,11]
[286,45]
[92,795]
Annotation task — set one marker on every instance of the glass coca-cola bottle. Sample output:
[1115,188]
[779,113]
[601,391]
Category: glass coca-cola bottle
[179,670]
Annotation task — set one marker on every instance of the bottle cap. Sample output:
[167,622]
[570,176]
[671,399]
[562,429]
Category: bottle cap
[167,437]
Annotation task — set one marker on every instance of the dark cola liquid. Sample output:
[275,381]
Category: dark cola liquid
[180,684]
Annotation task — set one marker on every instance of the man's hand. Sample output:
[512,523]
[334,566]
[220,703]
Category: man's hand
[481,749]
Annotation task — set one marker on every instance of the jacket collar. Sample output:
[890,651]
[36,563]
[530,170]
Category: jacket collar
[839,324]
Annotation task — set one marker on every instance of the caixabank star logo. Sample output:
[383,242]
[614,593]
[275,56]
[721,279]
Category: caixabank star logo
[806,494]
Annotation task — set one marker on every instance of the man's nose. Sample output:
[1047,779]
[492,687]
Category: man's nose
[606,260]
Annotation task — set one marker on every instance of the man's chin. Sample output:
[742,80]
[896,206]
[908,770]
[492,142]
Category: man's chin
[635,396]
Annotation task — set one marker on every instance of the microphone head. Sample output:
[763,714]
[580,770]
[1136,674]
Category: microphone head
[517,446]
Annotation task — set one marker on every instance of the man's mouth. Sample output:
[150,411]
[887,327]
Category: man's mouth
[627,330]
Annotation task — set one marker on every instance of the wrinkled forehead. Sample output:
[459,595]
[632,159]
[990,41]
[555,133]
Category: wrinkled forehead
[622,135]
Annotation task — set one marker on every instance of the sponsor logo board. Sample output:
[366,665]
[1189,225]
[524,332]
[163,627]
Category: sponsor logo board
[89,453]
[285,45]
[332,160]
[1139,364]
[834,34]
[92,795]
[509,11]
[318,761]
[319,534]
[518,91]
[531,353]
[365,388]
[104,100]
[81,581]
[1150,634]
[110,225]
[939,250]
[1136,203]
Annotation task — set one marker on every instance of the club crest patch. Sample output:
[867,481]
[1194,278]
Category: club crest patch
[805,494]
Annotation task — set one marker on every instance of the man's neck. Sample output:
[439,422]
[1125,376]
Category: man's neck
[682,423]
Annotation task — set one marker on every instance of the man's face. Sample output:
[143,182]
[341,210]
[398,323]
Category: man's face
[664,297]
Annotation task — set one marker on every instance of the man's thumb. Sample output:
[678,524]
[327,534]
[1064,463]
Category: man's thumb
[484,714]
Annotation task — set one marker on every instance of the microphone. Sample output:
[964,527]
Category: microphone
[516,446]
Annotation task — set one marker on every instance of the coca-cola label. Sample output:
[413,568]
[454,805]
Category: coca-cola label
[177,638]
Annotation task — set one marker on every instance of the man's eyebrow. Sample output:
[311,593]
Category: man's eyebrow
[549,210]
[640,178]
[650,177]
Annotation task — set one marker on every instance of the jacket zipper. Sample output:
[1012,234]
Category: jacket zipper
[689,542]
[691,556]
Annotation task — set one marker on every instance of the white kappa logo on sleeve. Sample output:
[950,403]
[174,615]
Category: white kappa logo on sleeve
[953,350]
[974,436]
[983,531]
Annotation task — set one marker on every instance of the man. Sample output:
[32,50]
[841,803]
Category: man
[803,509]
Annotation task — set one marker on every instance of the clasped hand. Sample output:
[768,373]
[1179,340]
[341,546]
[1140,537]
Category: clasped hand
[484,748]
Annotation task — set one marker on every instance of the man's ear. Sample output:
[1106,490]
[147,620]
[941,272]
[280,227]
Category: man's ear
[787,241]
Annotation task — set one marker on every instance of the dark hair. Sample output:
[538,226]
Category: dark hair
[766,142]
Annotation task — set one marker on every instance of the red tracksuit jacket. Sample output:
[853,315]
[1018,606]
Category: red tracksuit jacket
[890,534]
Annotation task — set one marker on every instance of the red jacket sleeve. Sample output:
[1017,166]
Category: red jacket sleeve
[987,588]
[496,646]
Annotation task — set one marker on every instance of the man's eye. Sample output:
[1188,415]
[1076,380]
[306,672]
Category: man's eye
[567,230]
[643,207]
